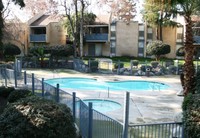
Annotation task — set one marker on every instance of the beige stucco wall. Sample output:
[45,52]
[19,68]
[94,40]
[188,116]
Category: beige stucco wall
[169,37]
[126,39]
[57,34]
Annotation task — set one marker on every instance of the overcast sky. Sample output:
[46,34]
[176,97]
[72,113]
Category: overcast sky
[21,14]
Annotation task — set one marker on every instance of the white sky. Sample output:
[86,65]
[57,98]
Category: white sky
[21,14]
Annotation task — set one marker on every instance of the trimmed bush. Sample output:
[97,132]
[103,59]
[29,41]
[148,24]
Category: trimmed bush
[5,91]
[191,115]
[18,94]
[35,117]
[154,64]
[116,65]
[135,62]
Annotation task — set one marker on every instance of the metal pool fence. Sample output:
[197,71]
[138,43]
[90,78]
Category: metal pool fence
[91,123]
[159,130]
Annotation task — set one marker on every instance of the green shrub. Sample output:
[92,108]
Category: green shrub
[191,115]
[5,91]
[154,64]
[18,94]
[135,62]
[35,117]
[116,65]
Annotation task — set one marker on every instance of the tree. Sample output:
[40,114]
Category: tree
[10,50]
[157,13]
[187,8]
[83,19]
[158,48]
[16,2]
[121,9]
[15,32]
[34,7]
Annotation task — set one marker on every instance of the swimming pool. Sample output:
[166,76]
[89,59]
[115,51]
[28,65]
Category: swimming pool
[94,84]
[102,105]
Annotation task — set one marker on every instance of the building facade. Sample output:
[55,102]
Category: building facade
[104,38]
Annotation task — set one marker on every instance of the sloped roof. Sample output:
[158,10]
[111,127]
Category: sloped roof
[44,20]
[102,19]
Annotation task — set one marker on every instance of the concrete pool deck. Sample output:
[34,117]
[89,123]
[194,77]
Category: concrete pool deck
[152,106]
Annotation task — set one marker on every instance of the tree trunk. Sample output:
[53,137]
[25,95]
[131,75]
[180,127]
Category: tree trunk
[1,30]
[189,70]
[81,28]
[76,27]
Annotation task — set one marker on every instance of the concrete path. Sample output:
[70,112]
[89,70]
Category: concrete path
[145,106]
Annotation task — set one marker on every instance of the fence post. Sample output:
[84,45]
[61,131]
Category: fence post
[131,71]
[74,106]
[118,68]
[43,87]
[25,79]
[4,70]
[57,93]
[33,84]
[126,115]
[90,120]
[15,76]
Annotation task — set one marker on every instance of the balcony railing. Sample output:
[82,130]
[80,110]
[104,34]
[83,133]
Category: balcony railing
[96,37]
[196,39]
[38,38]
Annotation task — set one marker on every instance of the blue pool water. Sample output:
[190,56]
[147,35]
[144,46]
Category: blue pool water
[103,106]
[93,84]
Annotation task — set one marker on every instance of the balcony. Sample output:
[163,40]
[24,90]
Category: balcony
[196,40]
[103,37]
[38,38]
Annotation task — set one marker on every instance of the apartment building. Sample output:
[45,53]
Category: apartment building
[46,30]
[105,37]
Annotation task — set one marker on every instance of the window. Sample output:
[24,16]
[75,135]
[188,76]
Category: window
[149,36]
[112,28]
[141,44]
[112,44]
[141,33]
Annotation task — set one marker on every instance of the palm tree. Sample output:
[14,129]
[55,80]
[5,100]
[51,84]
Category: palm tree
[187,8]
[17,2]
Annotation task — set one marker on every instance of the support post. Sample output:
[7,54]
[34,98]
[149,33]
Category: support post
[43,87]
[33,84]
[57,93]
[74,106]
[126,115]
[90,120]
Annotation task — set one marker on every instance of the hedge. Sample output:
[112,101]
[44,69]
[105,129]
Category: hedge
[191,115]
[35,117]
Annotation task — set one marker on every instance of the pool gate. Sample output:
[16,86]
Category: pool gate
[91,123]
